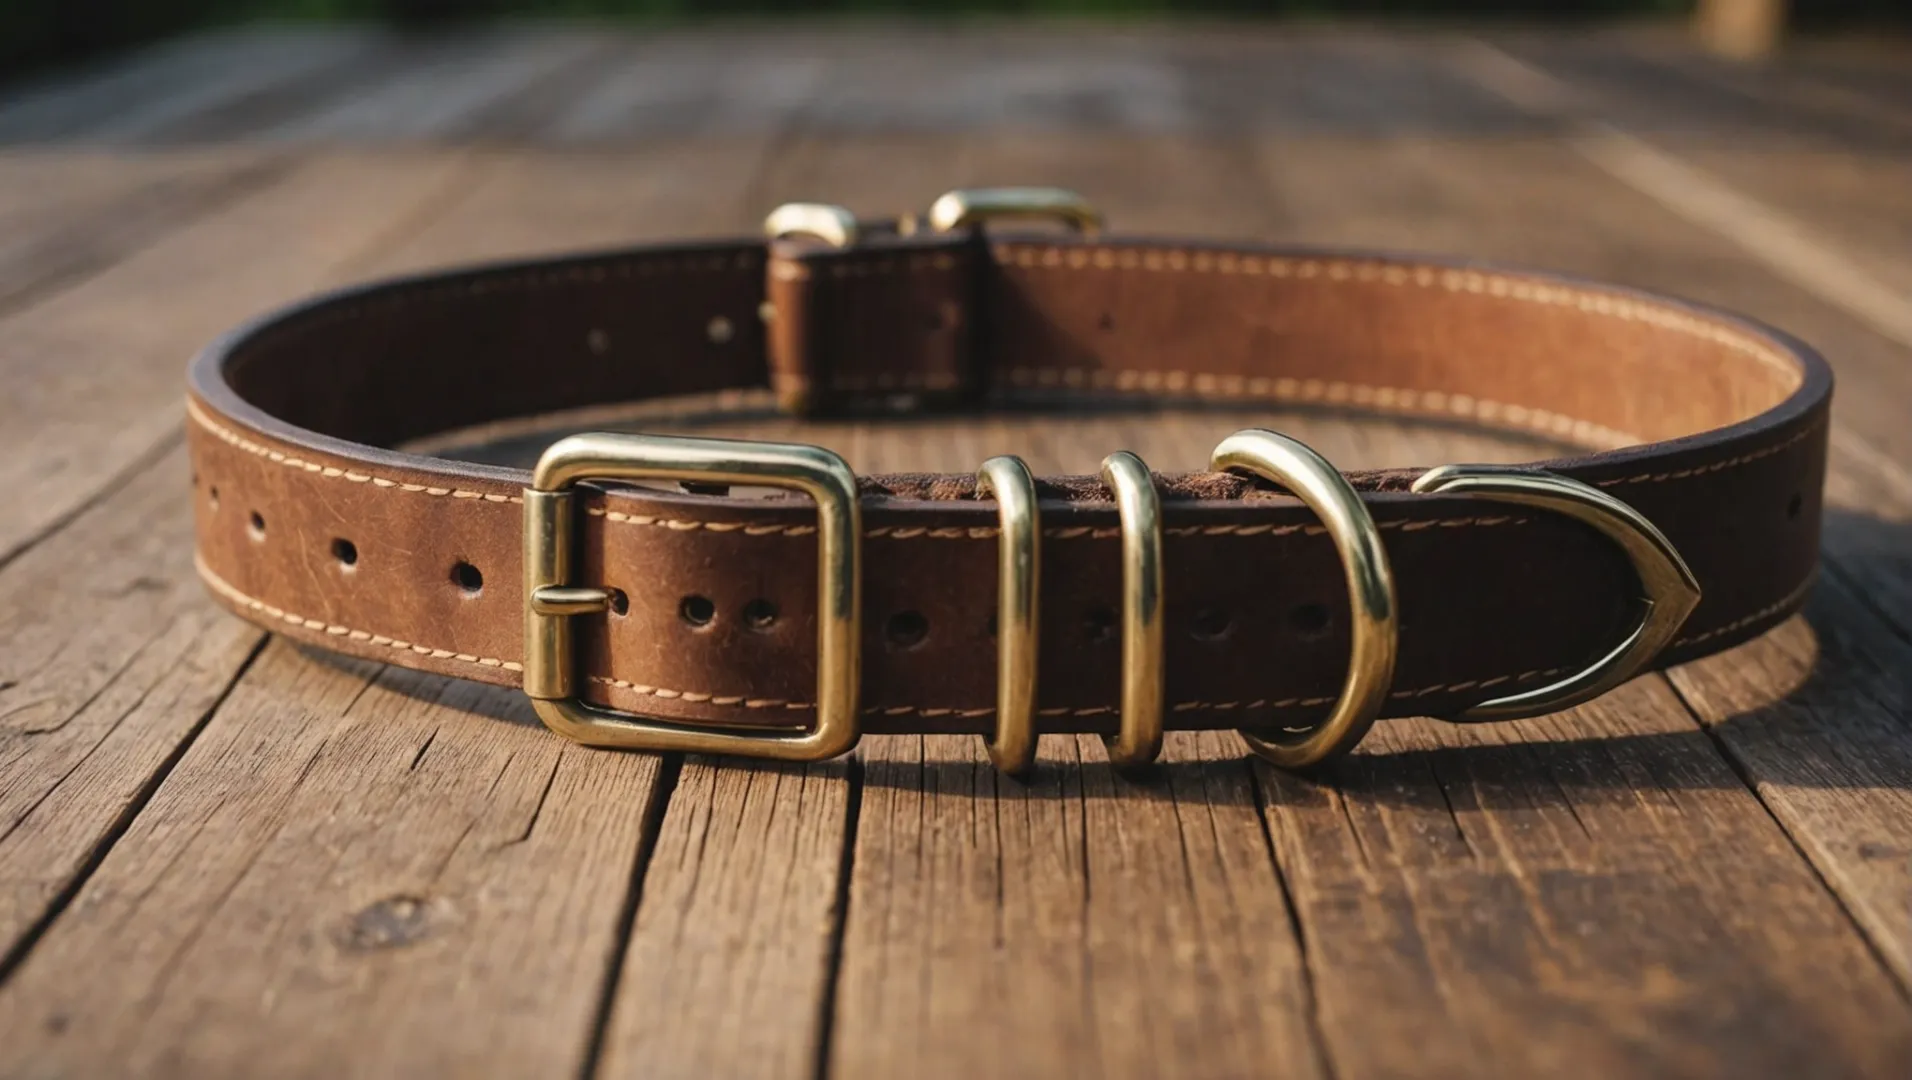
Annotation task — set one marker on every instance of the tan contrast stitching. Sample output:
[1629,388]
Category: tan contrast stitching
[1226,706]
[225,589]
[1717,466]
[697,698]
[1431,402]
[222,587]
[947,533]
[1426,277]
[233,438]
[1326,391]
[1070,532]
[1766,612]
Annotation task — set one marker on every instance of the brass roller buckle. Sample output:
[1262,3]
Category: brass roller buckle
[551,601]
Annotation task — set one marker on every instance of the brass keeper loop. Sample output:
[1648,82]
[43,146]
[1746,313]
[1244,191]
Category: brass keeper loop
[1140,507]
[1019,589]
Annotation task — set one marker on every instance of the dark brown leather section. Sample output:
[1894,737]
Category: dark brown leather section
[1713,427]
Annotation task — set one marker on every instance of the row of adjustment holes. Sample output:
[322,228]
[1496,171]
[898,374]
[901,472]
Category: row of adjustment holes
[463,574]
[908,629]
[699,612]
[903,630]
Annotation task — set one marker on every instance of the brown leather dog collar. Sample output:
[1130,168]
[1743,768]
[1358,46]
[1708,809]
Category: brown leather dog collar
[701,619]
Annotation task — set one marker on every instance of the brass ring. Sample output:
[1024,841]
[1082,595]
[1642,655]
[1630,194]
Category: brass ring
[1370,591]
[825,221]
[963,207]
[1141,512]
[1019,585]
[1672,592]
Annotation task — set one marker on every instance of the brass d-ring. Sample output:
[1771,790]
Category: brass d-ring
[1141,513]
[1019,584]
[1671,590]
[1370,592]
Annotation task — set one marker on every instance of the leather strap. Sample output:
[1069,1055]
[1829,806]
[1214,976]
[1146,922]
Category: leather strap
[309,523]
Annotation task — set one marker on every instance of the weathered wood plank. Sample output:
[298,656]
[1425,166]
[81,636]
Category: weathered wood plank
[443,90]
[384,855]
[66,214]
[1816,716]
[133,98]
[327,853]
[1513,193]
[732,940]
[110,658]
[1091,924]
[95,370]
[1594,893]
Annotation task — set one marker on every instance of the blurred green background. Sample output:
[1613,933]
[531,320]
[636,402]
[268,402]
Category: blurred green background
[38,33]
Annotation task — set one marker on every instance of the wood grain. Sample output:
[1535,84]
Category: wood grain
[112,655]
[309,866]
[732,942]
[1506,198]
[509,876]
[65,214]
[1589,894]
[1815,715]
[95,369]
[110,658]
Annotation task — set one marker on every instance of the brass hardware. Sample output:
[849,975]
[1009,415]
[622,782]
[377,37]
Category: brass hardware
[1370,592]
[570,600]
[1671,590]
[833,224]
[1141,512]
[1019,587]
[973,206]
[549,518]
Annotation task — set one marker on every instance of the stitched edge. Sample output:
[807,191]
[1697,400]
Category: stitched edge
[1177,260]
[227,590]
[695,697]
[230,592]
[748,529]
[1717,466]
[232,438]
[1789,600]
[531,280]
[1326,391]
[227,435]
[1426,277]
[1227,706]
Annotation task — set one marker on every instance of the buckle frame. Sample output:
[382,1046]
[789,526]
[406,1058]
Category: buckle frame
[551,600]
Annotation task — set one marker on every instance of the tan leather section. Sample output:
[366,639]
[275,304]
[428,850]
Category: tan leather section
[1491,599]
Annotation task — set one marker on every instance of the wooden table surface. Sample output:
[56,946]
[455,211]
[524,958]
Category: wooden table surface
[221,855]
